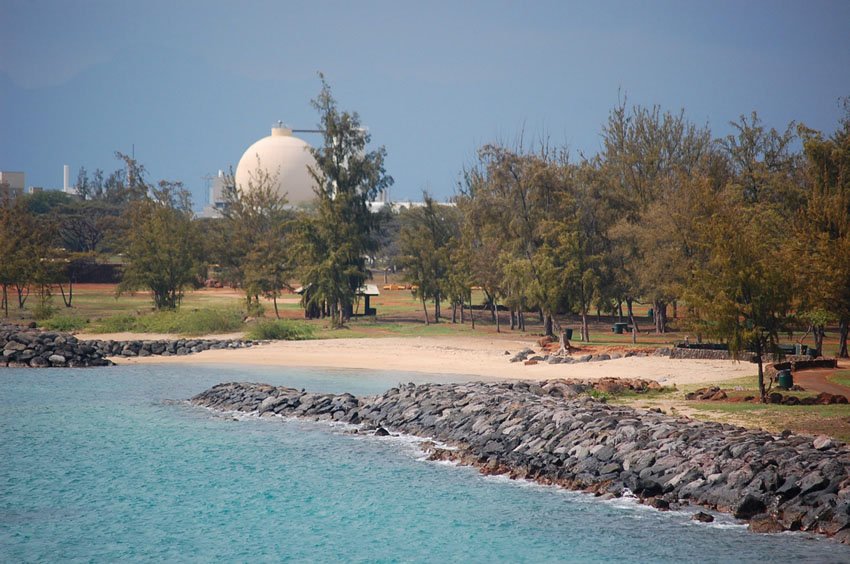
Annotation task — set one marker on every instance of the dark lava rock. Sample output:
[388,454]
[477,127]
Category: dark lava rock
[545,432]
[702,517]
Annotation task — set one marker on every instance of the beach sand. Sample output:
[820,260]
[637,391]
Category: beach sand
[474,356]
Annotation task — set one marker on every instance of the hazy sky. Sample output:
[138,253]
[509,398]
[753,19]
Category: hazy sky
[193,83]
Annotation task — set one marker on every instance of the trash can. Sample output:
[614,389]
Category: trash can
[619,328]
[784,379]
[800,350]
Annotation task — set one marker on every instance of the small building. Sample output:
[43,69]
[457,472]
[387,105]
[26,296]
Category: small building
[366,291]
[11,184]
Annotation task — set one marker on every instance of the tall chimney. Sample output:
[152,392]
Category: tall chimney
[66,170]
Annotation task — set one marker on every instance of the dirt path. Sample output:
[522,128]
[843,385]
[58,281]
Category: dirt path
[816,380]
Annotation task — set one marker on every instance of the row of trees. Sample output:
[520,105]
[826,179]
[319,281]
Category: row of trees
[750,234]
[259,245]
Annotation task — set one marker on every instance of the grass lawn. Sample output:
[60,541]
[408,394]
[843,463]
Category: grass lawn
[841,377]
[399,314]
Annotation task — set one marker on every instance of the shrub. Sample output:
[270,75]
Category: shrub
[43,311]
[65,323]
[281,330]
[184,322]
[116,324]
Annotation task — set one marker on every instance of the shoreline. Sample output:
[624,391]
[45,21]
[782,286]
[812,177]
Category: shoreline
[482,357]
[553,435]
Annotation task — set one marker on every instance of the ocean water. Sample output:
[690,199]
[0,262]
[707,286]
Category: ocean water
[101,465]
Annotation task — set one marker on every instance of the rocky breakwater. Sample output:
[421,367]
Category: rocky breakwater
[29,347]
[550,433]
[41,349]
[178,347]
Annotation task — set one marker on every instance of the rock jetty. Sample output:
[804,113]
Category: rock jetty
[41,349]
[551,433]
[31,348]
[172,347]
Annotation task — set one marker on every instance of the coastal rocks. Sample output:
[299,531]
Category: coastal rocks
[707,354]
[702,517]
[178,347]
[553,433]
[529,358]
[28,347]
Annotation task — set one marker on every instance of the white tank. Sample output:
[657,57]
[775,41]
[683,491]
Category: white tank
[282,155]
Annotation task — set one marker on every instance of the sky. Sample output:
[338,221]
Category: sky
[188,86]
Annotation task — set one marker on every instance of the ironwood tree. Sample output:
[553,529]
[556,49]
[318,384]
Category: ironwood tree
[337,241]
[425,240]
[161,245]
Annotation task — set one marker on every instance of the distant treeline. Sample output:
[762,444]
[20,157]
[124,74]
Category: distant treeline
[749,233]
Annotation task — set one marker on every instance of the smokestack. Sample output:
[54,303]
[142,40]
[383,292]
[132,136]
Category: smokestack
[66,170]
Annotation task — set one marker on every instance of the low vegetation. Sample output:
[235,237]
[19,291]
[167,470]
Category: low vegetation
[281,330]
[183,322]
[65,323]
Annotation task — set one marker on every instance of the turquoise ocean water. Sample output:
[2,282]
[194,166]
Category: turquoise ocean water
[100,465]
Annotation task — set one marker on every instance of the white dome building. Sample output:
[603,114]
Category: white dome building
[283,157]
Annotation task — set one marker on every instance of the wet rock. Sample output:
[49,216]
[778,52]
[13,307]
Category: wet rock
[702,517]
[764,523]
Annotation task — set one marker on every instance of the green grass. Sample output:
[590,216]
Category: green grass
[281,330]
[65,323]
[833,420]
[842,378]
[183,321]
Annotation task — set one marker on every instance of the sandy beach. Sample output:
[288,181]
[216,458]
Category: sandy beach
[481,357]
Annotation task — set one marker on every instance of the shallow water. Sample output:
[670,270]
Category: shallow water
[99,465]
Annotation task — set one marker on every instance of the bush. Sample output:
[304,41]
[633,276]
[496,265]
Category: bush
[116,324]
[65,323]
[281,330]
[191,322]
[43,311]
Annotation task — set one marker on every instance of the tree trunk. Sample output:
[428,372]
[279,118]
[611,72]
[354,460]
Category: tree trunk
[454,313]
[675,309]
[6,299]
[425,309]
[660,316]
[547,325]
[22,297]
[462,318]
[598,314]
[585,333]
[818,335]
[563,343]
[762,393]
[522,321]
[513,319]
[619,311]
[274,301]
[843,329]
[631,313]
[496,315]
[437,307]
[67,299]
[471,314]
